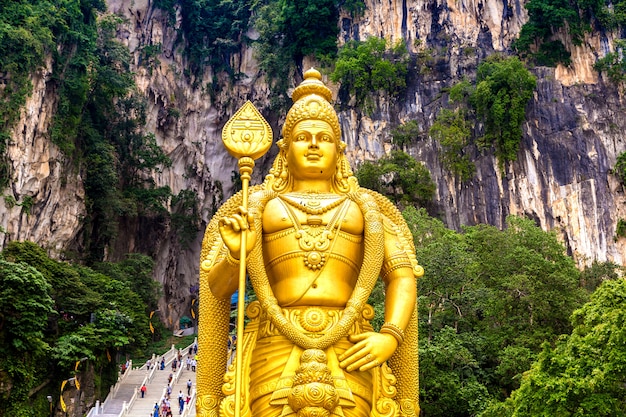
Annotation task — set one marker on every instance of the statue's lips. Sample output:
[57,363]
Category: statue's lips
[313,156]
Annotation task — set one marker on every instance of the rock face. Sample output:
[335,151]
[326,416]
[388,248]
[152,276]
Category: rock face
[562,177]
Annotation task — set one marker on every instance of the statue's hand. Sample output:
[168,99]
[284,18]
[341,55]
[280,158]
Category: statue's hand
[370,350]
[231,228]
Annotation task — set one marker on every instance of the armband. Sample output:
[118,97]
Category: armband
[397,262]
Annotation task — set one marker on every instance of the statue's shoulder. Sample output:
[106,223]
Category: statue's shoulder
[394,223]
[260,196]
[384,206]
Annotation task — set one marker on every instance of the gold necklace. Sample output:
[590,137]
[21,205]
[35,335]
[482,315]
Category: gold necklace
[313,240]
[314,195]
[314,211]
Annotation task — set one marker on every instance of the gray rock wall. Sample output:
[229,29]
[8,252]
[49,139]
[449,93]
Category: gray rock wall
[573,134]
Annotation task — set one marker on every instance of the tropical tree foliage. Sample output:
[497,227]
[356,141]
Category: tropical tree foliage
[537,38]
[400,177]
[364,68]
[213,30]
[453,132]
[584,373]
[488,301]
[614,63]
[503,89]
[289,31]
[498,99]
[53,314]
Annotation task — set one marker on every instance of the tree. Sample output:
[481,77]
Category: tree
[584,374]
[364,68]
[25,305]
[400,177]
[503,89]
[289,31]
[452,130]
[488,300]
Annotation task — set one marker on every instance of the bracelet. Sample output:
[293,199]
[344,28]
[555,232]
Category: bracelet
[395,331]
[230,260]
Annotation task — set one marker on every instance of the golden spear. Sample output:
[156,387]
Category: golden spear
[247,136]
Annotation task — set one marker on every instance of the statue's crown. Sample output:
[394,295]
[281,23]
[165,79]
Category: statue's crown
[311,101]
[312,84]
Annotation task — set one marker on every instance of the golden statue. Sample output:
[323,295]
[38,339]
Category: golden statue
[316,243]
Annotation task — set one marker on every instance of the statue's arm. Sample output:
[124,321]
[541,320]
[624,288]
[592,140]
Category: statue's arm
[372,349]
[224,275]
[224,278]
[400,281]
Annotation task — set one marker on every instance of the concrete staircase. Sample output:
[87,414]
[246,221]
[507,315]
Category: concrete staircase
[124,399]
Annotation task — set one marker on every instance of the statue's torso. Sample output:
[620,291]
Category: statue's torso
[312,248]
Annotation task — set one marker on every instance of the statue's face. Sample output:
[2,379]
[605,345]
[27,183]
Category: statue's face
[312,151]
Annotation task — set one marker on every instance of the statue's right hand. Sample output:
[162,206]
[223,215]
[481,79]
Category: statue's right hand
[231,228]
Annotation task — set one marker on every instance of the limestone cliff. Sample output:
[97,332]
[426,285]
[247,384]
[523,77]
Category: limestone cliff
[574,131]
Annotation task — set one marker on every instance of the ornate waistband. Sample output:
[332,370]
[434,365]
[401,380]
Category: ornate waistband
[313,321]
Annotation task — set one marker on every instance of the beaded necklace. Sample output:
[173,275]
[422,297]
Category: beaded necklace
[313,240]
[314,211]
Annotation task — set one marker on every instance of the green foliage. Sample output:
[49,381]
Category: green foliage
[620,167]
[614,65]
[609,15]
[452,130]
[499,99]
[21,52]
[118,157]
[26,203]
[547,17]
[288,31]
[503,89]
[29,31]
[552,53]
[400,177]
[55,313]
[377,301]
[449,376]
[136,271]
[405,134]
[25,304]
[354,7]
[98,118]
[591,277]
[149,56]
[364,68]
[620,229]
[71,296]
[488,300]
[213,30]
[584,373]
[185,216]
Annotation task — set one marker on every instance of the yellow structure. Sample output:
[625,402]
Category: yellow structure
[316,244]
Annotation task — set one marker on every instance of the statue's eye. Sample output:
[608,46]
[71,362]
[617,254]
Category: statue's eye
[327,138]
[300,138]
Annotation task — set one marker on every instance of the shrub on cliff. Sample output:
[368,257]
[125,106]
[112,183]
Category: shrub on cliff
[365,68]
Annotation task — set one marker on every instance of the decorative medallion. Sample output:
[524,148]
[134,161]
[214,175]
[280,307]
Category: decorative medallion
[313,319]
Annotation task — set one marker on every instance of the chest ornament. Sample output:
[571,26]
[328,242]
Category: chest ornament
[314,239]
